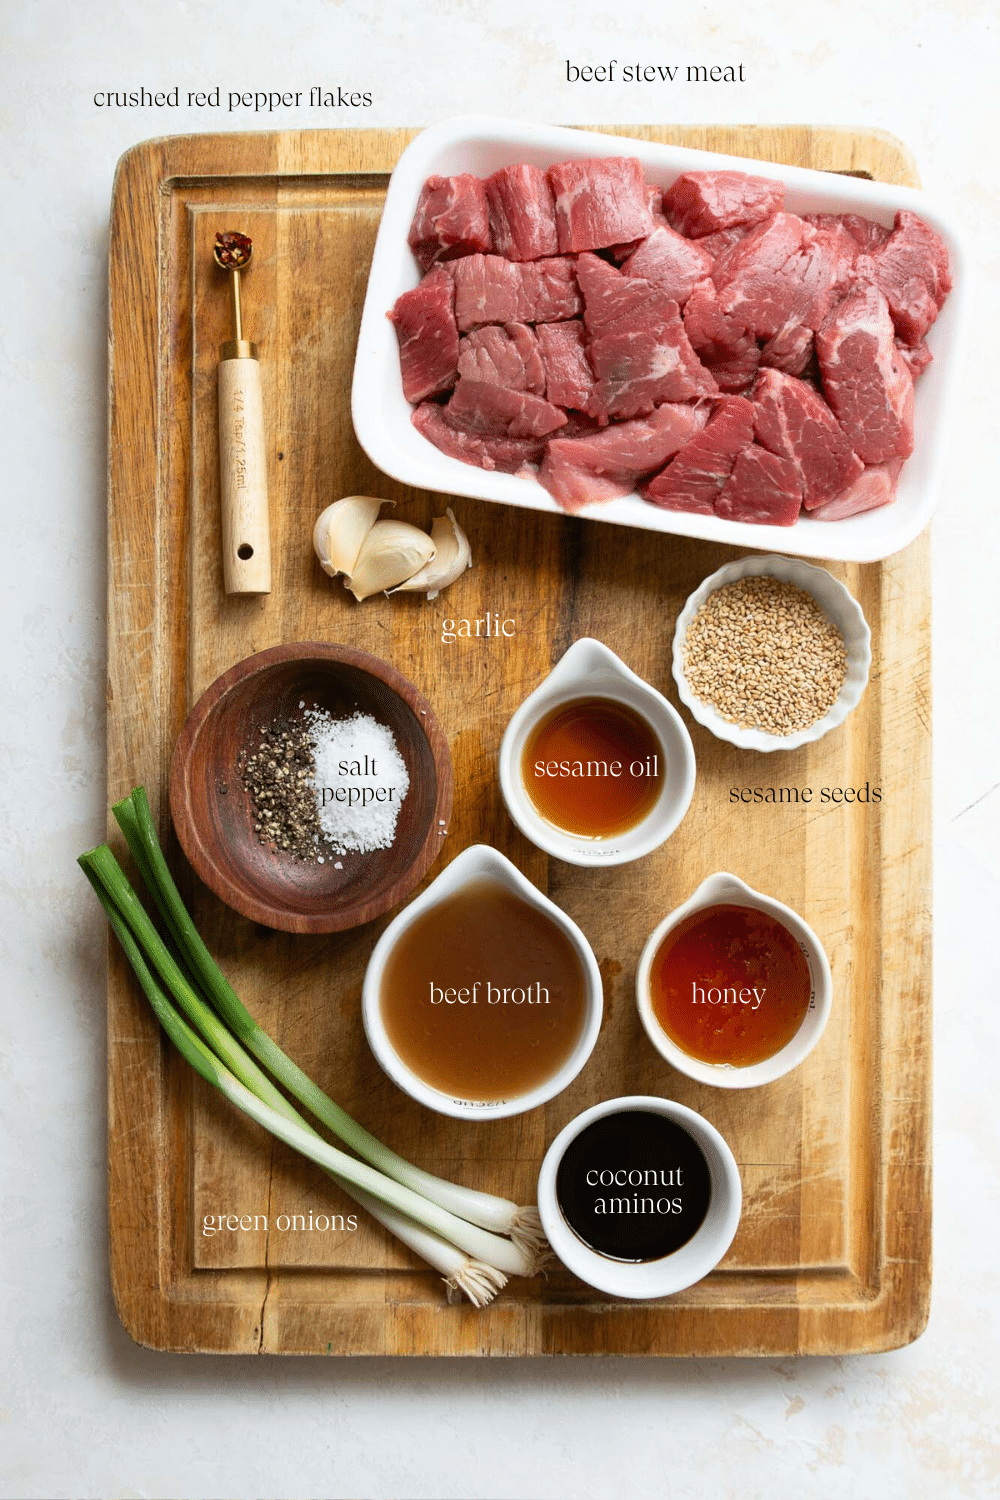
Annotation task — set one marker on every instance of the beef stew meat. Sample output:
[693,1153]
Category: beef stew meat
[697,343]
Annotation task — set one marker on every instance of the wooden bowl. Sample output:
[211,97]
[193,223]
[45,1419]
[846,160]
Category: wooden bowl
[214,816]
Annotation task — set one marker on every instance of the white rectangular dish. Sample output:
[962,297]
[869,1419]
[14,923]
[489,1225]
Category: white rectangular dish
[382,414]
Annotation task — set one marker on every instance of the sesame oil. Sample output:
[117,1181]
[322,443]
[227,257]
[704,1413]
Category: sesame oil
[593,767]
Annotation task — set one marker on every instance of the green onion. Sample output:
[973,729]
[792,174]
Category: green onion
[458,1230]
[489,1212]
[479,1281]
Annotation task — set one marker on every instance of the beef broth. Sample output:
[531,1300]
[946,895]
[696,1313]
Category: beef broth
[484,996]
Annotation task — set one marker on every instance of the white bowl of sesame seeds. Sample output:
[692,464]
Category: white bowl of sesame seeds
[771,653]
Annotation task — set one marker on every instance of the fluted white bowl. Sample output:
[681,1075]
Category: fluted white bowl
[836,602]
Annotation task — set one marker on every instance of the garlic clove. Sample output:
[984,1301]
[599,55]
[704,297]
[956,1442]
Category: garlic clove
[390,554]
[454,555]
[340,531]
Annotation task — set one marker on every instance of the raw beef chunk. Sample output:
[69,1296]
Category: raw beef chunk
[912,273]
[569,379]
[639,352]
[607,464]
[672,263]
[694,480]
[866,233]
[874,487]
[916,359]
[724,239]
[509,455]
[486,410]
[784,272]
[609,297]
[654,198]
[790,350]
[550,290]
[522,213]
[428,338]
[723,345]
[704,202]
[575,480]
[507,356]
[762,488]
[645,359]
[864,378]
[793,421]
[600,202]
[490,289]
[451,219]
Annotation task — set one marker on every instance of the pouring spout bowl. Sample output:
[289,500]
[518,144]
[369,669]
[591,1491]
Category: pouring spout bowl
[589,669]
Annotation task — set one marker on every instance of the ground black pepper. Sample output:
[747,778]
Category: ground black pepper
[278,776]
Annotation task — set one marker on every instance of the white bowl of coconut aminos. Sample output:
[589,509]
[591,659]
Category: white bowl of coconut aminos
[640,1197]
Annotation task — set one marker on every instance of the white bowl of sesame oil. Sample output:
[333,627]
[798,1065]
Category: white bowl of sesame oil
[596,767]
[771,653]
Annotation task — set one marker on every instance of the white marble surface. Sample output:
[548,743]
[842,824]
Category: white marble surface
[82,1411]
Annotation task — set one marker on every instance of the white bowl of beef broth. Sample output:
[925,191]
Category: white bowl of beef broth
[592,704]
[482,999]
[382,415]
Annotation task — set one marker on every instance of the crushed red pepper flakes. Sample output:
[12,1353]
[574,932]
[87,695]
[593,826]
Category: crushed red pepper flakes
[232,249]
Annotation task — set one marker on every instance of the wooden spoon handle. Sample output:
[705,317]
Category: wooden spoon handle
[246,538]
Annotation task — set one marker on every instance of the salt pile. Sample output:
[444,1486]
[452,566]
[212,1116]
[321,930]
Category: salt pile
[360,780]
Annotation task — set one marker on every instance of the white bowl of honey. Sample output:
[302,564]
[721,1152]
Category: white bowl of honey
[733,987]
[596,767]
[482,999]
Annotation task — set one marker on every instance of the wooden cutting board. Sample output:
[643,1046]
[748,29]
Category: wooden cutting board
[833,1252]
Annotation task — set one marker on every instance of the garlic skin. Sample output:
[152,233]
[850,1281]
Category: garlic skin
[392,552]
[340,531]
[454,555]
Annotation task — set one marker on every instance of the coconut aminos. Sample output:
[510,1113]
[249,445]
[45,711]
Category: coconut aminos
[634,1186]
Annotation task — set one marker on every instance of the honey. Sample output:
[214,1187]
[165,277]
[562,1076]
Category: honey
[731,985]
[484,996]
[593,768]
